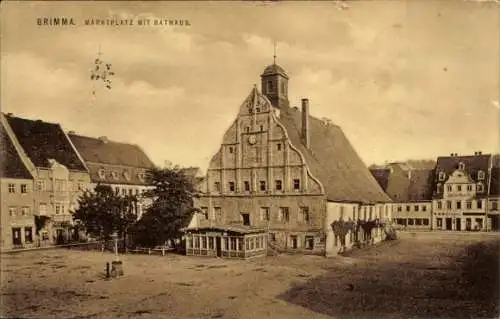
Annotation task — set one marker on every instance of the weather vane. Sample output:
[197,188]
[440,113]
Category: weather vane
[101,71]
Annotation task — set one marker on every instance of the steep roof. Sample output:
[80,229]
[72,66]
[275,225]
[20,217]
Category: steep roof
[104,151]
[332,159]
[42,141]
[11,165]
[405,185]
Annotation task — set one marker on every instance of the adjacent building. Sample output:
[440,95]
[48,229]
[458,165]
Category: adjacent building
[59,173]
[122,166]
[281,169]
[17,227]
[411,191]
[460,195]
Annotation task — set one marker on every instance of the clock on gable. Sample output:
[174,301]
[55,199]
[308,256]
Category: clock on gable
[252,140]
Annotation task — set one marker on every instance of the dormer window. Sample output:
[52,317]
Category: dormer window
[102,173]
[480,175]
[461,166]
[442,176]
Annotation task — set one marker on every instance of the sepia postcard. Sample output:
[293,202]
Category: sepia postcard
[250,159]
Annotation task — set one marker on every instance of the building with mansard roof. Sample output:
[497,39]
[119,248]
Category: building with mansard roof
[281,169]
[461,192]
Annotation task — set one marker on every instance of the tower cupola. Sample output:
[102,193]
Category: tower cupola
[274,85]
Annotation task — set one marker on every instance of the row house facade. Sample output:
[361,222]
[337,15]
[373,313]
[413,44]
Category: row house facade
[59,174]
[280,169]
[56,174]
[122,166]
[411,192]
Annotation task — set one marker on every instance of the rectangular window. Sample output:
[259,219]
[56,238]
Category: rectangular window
[304,214]
[424,208]
[210,243]
[246,219]
[203,242]
[469,188]
[479,204]
[408,208]
[278,185]
[12,211]
[42,209]
[262,185]
[425,221]
[24,188]
[439,205]
[196,242]
[240,244]
[418,221]
[448,204]
[204,213]
[247,186]
[284,214]
[218,214]
[217,186]
[25,211]
[468,204]
[278,146]
[459,188]
[59,209]
[410,221]
[231,150]
[459,205]
[479,188]
[399,208]
[448,188]
[264,214]
[40,185]
[296,184]
[416,208]
[231,186]
[12,188]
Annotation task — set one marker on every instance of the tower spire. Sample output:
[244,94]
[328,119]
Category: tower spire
[274,56]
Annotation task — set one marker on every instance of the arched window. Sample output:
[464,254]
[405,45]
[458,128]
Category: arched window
[461,166]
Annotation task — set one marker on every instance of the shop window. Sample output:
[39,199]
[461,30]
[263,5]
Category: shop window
[210,243]
[426,221]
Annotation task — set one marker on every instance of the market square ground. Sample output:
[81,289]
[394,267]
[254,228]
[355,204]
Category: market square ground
[423,274]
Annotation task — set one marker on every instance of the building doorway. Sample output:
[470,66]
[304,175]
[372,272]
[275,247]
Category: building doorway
[16,236]
[294,242]
[468,224]
[495,224]
[59,237]
[458,224]
[448,223]
[218,246]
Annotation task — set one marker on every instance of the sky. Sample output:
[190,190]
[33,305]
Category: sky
[404,79]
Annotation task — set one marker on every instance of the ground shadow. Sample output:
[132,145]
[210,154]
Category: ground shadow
[465,286]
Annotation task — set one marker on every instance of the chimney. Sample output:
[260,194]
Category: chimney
[104,139]
[305,122]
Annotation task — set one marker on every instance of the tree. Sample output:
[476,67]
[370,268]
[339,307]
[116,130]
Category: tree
[102,212]
[171,210]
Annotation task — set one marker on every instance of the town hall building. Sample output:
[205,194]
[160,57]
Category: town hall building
[287,172]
